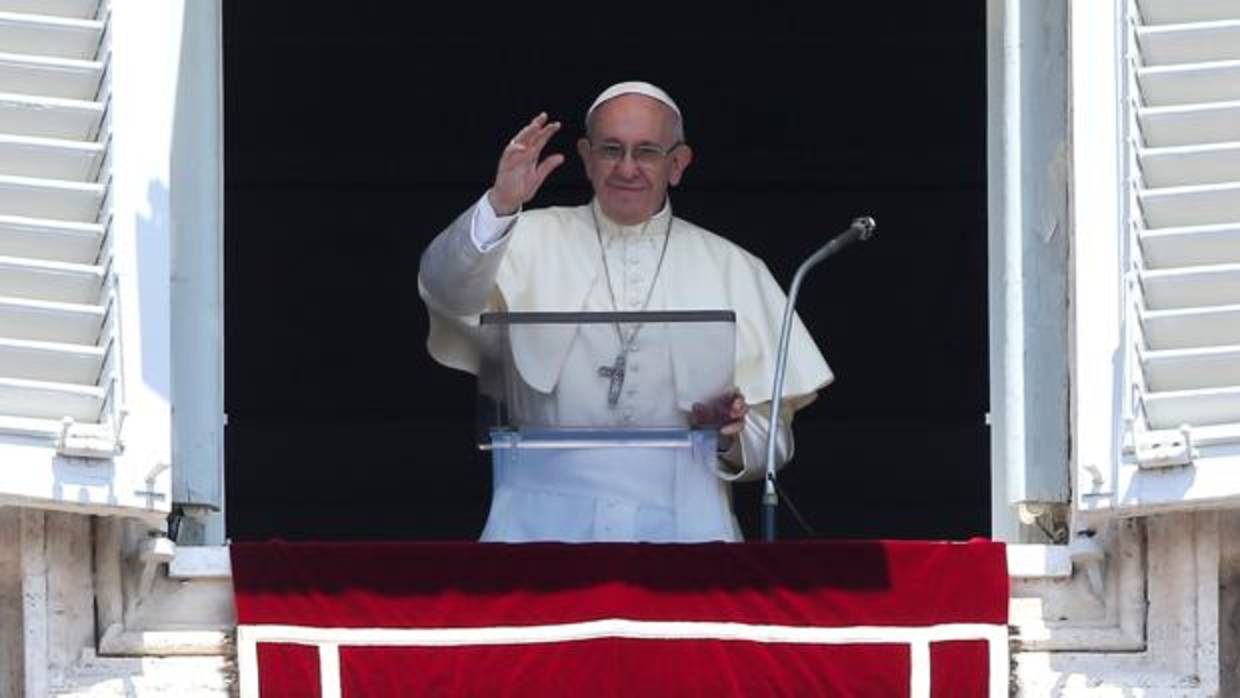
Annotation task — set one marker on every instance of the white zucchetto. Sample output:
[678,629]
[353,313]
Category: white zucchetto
[633,87]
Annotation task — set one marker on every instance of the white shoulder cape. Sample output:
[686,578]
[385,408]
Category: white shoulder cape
[552,261]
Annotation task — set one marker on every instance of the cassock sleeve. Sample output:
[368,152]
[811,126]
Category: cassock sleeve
[457,281]
[456,273]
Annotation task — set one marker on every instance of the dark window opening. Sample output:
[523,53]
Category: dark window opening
[353,138]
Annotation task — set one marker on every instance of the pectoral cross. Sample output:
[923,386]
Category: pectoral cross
[614,373]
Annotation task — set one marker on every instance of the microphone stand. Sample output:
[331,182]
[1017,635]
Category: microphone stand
[861,229]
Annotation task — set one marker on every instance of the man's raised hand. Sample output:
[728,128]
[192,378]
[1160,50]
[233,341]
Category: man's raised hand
[520,174]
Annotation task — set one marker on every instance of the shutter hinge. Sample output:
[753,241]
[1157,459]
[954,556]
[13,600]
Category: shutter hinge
[85,440]
[1165,448]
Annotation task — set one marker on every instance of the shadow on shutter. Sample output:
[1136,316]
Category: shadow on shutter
[84,345]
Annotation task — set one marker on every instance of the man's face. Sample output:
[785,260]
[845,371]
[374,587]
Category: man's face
[630,192]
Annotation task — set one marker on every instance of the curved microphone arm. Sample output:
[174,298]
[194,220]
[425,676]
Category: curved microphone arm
[861,229]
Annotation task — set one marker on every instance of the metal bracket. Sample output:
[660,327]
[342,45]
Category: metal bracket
[152,552]
[1088,555]
[151,493]
[1165,448]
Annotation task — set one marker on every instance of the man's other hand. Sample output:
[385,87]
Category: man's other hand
[520,174]
[727,410]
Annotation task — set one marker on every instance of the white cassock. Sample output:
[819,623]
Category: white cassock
[549,260]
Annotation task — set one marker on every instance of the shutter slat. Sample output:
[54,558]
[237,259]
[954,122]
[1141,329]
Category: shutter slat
[31,197]
[1217,163]
[50,400]
[80,9]
[1191,369]
[1174,207]
[49,77]
[49,361]
[1196,407]
[1192,287]
[1189,84]
[1200,42]
[1193,246]
[49,117]
[1194,327]
[63,241]
[50,281]
[1175,398]
[49,158]
[1188,220]
[45,321]
[1189,124]
[1183,11]
[46,35]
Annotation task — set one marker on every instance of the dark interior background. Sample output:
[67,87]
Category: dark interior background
[353,137]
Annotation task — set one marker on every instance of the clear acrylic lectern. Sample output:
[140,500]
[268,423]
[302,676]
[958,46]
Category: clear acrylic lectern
[589,381]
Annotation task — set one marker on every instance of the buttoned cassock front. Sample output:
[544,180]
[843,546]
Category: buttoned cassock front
[549,260]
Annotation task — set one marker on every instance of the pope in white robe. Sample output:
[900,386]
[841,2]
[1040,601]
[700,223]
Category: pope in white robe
[624,251]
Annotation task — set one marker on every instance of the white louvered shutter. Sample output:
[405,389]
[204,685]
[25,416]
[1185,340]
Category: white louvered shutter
[72,308]
[1181,110]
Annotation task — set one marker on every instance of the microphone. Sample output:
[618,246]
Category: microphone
[861,228]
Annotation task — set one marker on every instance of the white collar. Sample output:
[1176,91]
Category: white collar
[655,225]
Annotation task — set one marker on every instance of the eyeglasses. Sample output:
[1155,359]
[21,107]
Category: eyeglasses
[646,155]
